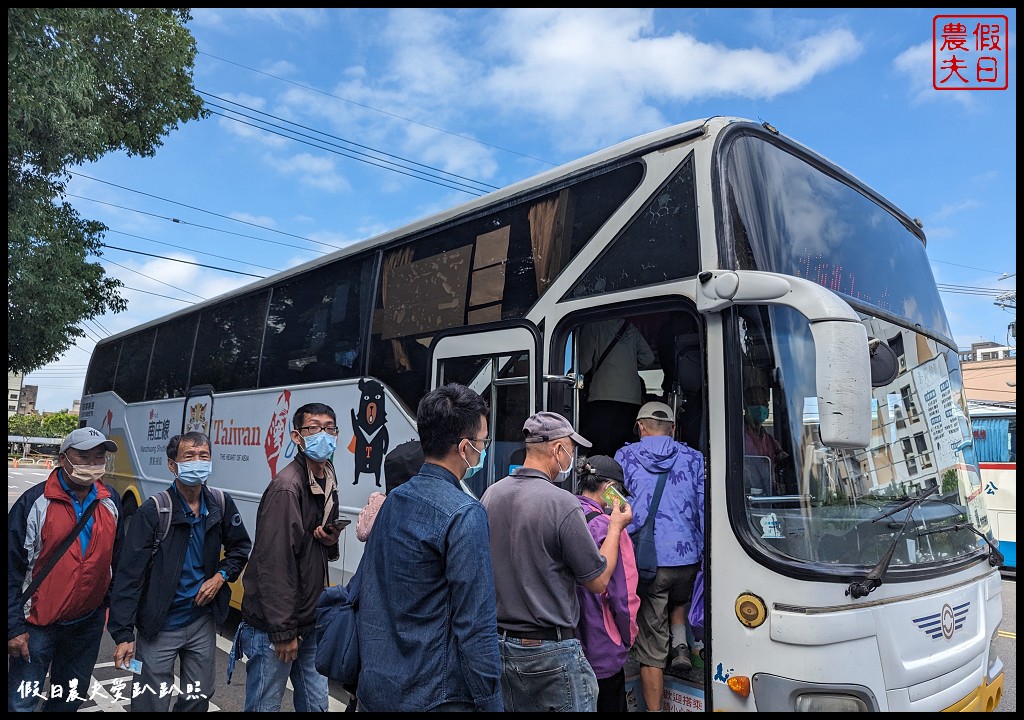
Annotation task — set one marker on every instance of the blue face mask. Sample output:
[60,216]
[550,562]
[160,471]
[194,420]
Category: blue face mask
[757,413]
[320,447]
[563,474]
[474,469]
[194,472]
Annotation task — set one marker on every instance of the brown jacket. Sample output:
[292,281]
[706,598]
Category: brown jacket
[287,568]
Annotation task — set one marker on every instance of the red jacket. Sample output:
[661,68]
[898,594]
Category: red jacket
[77,585]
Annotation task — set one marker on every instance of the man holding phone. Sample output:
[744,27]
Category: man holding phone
[297,533]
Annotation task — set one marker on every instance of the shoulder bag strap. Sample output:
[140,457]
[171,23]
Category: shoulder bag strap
[613,343]
[59,552]
[656,500]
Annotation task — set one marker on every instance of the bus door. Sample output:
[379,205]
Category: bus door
[503,365]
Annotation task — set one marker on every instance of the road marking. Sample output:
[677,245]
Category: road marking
[1005,634]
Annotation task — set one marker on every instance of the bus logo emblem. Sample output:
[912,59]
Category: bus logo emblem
[943,624]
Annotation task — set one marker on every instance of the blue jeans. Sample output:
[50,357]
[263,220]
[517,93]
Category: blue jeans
[546,676]
[266,676]
[71,649]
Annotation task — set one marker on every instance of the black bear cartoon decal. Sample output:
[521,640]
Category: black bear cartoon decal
[369,427]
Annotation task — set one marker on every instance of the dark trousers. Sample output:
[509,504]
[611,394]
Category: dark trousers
[609,425]
[69,652]
[611,693]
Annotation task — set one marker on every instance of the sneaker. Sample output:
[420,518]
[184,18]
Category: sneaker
[679,658]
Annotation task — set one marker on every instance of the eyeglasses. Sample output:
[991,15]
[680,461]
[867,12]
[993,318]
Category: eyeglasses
[485,441]
[314,429]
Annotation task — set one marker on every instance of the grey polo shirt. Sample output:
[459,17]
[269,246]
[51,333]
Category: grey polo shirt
[540,548]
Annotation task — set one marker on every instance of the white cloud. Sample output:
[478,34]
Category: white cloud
[915,63]
[312,170]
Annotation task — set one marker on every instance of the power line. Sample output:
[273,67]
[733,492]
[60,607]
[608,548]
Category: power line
[155,280]
[197,252]
[377,110]
[189,224]
[398,158]
[411,173]
[187,262]
[208,212]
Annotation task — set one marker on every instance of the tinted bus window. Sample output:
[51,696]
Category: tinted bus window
[133,367]
[314,324]
[228,343]
[172,357]
[102,368]
[487,268]
[659,245]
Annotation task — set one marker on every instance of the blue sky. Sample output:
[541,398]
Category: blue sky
[495,96]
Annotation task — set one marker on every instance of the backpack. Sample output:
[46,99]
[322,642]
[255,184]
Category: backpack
[163,514]
[337,639]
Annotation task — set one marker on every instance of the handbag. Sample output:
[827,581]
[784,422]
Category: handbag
[59,552]
[588,376]
[643,537]
[337,637]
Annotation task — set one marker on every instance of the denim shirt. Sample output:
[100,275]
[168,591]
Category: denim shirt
[427,621]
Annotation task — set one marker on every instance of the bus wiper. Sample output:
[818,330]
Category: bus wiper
[873,579]
[995,558]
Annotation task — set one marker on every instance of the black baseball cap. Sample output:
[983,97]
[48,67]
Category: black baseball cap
[402,463]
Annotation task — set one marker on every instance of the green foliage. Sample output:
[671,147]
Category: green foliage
[950,482]
[59,424]
[81,82]
[28,425]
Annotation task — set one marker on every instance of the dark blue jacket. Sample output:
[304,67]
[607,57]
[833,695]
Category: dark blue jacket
[140,599]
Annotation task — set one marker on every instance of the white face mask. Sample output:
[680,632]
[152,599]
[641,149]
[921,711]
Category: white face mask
[87,474]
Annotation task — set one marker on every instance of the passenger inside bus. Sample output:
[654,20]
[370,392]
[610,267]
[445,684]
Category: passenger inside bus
[611,352]
[759,443]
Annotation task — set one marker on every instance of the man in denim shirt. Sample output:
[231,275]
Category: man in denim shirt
[427,622]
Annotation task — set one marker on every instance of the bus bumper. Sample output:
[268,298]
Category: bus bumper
[984,699]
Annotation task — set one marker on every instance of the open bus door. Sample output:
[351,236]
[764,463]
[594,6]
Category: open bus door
[502,363]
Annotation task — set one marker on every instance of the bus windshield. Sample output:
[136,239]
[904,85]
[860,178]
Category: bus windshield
[810,503]
[787,216]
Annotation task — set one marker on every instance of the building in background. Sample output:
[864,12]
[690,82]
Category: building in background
[14,381]
[27,400]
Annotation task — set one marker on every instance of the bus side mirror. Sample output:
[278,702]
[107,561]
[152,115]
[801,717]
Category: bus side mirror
[841,351]
[843,373]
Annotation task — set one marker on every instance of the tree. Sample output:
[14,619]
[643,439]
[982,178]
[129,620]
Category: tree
[59,425]
[80,83]
[27,425]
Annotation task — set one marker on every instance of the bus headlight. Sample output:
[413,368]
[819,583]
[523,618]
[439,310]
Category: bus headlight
[829,702]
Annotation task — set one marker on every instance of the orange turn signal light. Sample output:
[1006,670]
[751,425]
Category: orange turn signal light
[739,684]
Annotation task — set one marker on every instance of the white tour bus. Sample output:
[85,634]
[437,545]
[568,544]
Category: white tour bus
[862,579]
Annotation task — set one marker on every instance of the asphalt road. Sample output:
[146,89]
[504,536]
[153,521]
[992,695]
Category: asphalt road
[231,698]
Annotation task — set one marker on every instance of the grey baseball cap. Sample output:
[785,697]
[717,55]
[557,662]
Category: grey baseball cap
[548,426]
[86,438]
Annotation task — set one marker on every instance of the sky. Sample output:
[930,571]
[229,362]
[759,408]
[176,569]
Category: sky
[331,126]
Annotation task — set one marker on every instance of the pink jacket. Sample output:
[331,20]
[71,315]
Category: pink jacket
[368,514]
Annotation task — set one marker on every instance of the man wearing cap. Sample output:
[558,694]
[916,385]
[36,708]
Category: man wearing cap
[540,549]
[678,538]
[61,623]
[607,627]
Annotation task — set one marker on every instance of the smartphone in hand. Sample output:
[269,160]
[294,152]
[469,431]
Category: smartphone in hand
[612,496]
[337,525]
